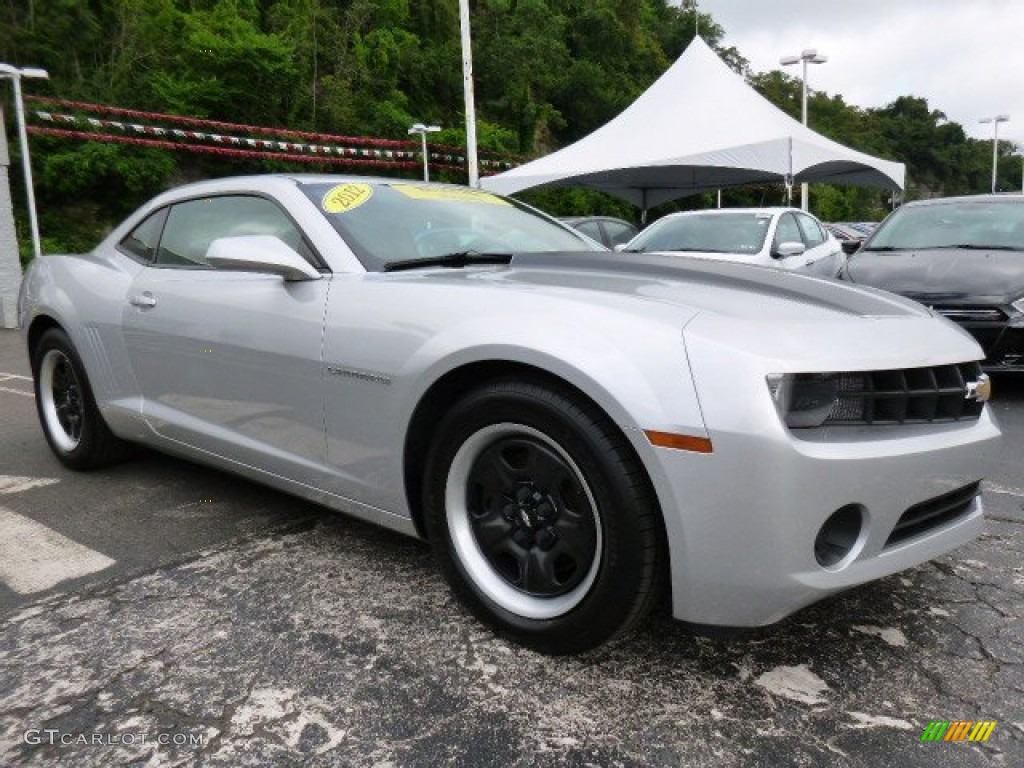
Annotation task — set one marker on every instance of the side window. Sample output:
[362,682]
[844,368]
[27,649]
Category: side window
[591,229]
[787,231]
[618,233]
[193,225]
[813,235]
[141,242]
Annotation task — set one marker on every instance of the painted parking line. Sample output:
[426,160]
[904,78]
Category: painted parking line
[34,558]
[11,391]
[1004,490]
[17,484]
[14,378]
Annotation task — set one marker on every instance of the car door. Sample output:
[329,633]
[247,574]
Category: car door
[229,362]
[824,255]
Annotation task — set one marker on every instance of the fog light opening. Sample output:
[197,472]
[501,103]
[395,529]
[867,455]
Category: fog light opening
[839,535]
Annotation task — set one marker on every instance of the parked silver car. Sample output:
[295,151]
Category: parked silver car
[570,430]
[787,238]
[607,230]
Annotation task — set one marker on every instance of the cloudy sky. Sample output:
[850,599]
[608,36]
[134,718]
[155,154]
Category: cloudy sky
[965,56]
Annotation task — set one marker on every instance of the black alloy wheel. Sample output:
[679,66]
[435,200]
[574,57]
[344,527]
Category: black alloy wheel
[542,518]
[72,424]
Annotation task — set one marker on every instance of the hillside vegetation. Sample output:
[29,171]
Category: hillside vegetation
[547,73]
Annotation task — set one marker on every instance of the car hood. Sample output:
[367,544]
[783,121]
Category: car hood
[784,321]
[943,274]
[741,291]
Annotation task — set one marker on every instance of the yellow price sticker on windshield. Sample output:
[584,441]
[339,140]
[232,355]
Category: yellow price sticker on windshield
[346,197]
[452,194]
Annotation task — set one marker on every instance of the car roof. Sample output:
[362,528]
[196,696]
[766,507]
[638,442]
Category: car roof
[985,198]
[267,182]
[768,211]
[304,179]
[581,219]
[328,178]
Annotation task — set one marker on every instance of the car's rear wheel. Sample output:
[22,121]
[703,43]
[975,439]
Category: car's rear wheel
[72,423]
[541,517]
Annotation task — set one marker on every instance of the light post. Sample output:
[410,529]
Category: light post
[7,72]
[472,166]
[809,56]
[995,120]
[423,130]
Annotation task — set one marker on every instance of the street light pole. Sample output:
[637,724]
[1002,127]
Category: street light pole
[467,89]
[423,130]
[995,120]
[811,56]
[14,75]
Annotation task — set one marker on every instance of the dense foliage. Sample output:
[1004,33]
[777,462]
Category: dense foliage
[547,73]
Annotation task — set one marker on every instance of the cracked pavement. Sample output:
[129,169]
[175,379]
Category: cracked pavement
[307,638]
[338,644]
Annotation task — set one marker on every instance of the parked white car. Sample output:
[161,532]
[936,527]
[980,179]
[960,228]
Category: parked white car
[772,237]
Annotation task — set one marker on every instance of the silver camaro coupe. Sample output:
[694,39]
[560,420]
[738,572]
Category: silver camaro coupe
[571,431]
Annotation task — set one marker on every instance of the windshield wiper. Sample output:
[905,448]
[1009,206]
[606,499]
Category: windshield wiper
[668,250]
[454,260]
[973,247]
[951,246]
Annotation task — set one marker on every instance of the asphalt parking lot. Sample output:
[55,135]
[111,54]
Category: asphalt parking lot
[177,615]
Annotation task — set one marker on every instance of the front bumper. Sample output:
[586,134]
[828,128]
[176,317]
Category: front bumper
[1003,340]
[747,515]
[1004,351]
[742,522]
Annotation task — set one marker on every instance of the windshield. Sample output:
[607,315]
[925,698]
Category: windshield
[981,224]
[711,232]
[397,222]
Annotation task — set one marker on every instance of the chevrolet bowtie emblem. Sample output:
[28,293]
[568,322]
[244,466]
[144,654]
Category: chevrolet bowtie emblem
[980,390]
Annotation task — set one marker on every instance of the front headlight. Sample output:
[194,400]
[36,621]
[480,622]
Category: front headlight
[1018,305]
[805,399]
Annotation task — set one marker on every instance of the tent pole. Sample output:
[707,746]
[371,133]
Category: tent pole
[643,207]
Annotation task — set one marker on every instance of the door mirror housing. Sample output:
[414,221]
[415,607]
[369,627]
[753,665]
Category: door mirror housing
[788,248]
[850,247]
[260,253]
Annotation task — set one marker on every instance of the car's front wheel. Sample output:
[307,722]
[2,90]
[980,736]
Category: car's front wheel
[72,423]
[541,517]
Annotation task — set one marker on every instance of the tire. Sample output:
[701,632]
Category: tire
[67,410]
[541,517]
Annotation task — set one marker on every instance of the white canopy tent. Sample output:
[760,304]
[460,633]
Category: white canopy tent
[698,127]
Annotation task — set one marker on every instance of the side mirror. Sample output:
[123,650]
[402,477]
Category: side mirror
[789,248]
[850,247]
[259,253]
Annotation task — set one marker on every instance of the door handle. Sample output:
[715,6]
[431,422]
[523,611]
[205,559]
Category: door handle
[142,300]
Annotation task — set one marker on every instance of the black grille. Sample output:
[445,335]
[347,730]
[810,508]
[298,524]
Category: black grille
[973,314]
[905,396]
[933,513]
